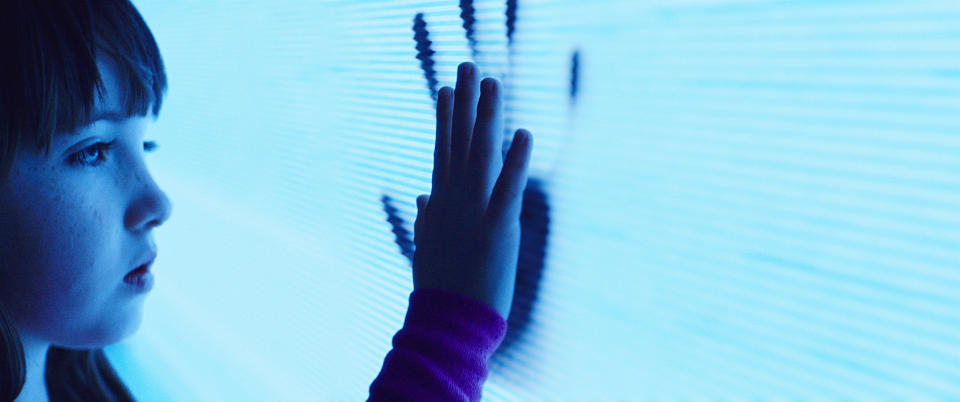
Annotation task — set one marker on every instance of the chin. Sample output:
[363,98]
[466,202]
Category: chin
[104,333]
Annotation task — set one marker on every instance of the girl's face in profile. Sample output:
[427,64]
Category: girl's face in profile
[74,223]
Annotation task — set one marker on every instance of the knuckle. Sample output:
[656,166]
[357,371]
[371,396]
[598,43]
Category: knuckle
[480,154]
[512,195]
[514,165]
[487,108]
[463,91]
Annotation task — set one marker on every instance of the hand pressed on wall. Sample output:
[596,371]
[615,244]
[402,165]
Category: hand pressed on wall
[467,231]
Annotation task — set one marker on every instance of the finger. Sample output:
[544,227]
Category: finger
[485,160]
[420,222]
[464,115]
[506,200]
[441,153]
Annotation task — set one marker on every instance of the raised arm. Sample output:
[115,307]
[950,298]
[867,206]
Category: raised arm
[467,238]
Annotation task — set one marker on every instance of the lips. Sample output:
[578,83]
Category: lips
[144,267]
[140,279]
[139,271]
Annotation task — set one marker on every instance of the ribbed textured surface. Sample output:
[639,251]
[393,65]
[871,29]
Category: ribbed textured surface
[729,200]
[747,199]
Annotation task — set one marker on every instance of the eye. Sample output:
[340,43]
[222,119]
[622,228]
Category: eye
[93,155]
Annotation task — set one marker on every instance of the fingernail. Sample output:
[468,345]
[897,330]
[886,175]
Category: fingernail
[486,87]
[466,69]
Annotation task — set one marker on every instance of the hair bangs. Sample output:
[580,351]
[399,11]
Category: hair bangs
[49,78]
[122,34]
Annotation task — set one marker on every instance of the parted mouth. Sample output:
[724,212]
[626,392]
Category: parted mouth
[144,267]
[139,271]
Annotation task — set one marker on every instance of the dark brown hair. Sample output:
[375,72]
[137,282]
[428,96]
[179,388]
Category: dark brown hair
[49,74]
[48,80]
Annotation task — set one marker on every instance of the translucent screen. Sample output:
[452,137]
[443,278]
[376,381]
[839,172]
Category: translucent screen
[727,199]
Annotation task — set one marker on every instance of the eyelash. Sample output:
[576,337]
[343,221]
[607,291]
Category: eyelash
[103,148]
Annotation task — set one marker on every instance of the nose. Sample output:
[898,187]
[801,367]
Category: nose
[150,207]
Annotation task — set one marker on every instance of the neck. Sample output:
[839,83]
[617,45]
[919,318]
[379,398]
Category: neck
[35,352]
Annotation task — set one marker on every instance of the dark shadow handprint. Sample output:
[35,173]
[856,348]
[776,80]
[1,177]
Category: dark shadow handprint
[535,214]
[466,15]
[425,53]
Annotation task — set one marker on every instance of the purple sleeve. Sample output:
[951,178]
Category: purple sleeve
[441,352]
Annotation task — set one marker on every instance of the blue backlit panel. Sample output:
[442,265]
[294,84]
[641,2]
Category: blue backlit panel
[727,199]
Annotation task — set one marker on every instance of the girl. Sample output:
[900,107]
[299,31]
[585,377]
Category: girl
[78,207]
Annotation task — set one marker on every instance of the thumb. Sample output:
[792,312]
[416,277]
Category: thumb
[422,200]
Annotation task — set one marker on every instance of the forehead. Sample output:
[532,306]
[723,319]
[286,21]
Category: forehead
[113,87]
[108,105]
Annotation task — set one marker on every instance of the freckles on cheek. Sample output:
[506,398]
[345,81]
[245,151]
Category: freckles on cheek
[74,230]
[81,225]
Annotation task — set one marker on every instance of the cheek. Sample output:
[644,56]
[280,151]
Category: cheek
[78,249]
[56,272]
